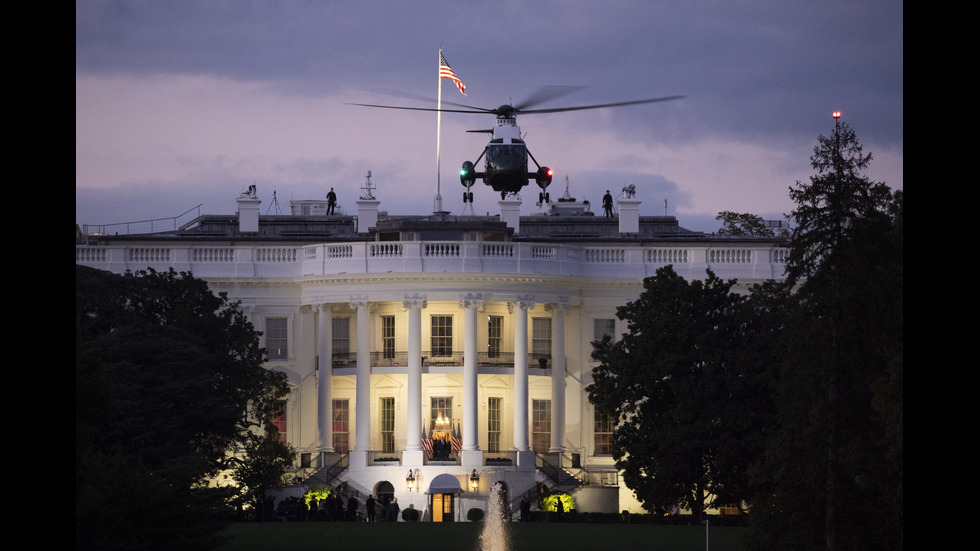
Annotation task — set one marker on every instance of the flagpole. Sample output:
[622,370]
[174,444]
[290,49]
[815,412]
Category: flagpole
[437,202]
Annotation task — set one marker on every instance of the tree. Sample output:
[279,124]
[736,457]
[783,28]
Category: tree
[169,383]
[829,206]
[677,385]
[743,224]
[832,474]
[260,465]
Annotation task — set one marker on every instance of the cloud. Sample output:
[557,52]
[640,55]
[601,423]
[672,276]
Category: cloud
[190,102]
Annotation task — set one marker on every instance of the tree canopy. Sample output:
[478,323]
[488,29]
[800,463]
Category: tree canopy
[832,477]
[743,224]
[169,384]
[678,385]
[790,399]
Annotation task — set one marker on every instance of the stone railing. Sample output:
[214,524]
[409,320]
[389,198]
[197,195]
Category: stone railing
[742,261]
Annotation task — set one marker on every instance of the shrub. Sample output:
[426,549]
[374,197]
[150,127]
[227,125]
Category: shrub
[549,502]
[474,515]
[410,514]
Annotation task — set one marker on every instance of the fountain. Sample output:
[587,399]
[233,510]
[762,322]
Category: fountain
[494,535]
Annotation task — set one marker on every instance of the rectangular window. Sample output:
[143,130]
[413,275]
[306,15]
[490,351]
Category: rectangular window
[340,341]
[440,425]
[341,426]
[604,327]
[540,338]
[276,338]
[493,424]
[442,410]
[541,425]
[442,335]
[603,433]
[495,326]
[278,420]
[387,425]
[388,336]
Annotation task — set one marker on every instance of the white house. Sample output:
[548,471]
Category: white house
[432,356]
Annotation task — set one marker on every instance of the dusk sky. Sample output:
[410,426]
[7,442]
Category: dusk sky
[181,103]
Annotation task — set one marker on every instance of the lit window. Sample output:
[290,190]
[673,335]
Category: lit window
[278,420]
[277,338]
[603,433]
[441,427]
[341,425]
[541,425]
[493,424]
[387,425]
[442,335]
[441,413]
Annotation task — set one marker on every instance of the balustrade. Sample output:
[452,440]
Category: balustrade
[347,360]
[212,254]
[630,262]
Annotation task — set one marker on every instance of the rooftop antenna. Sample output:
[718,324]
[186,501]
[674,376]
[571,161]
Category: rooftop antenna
[367,187]
[274,203]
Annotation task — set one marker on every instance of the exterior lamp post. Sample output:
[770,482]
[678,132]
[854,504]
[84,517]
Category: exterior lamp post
[474,480]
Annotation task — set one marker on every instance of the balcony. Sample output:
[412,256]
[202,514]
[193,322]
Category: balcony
[760,260]
[377,458]
[348,360]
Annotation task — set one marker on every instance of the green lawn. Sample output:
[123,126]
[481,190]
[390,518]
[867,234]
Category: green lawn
[408,536]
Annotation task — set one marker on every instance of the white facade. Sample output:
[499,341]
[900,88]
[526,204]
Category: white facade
[400,329]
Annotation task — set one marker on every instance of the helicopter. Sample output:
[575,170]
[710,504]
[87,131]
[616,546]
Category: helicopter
[506,155]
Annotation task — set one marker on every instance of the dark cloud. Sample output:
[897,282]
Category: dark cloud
[767,74]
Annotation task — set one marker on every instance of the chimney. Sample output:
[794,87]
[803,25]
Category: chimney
[367,214]
[629,216]
[248,211]
[510,213]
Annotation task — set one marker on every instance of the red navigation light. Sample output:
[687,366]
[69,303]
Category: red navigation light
[543,176]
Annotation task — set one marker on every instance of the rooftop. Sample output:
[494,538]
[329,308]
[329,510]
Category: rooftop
[307,222]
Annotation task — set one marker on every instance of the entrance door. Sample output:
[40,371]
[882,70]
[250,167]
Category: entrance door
[385,492]
[442,508]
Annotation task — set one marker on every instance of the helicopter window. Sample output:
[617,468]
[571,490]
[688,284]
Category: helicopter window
[507,156]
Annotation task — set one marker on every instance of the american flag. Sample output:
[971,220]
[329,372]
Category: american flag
[427,444]
[445,71]
[457,439]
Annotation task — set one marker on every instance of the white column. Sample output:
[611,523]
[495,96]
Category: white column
[558,377]
[324,352]
[412,455]
[362,422]
[470,456]
[521,443]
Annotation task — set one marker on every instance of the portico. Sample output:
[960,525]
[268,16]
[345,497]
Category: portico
[409,322]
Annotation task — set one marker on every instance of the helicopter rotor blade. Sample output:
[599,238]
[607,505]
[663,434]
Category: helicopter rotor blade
[547,93]
[398,93]
[481,111]
[600,105]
